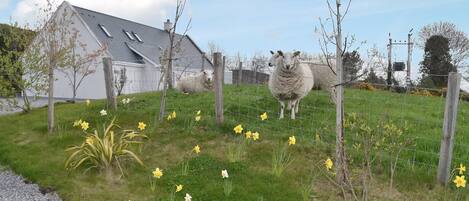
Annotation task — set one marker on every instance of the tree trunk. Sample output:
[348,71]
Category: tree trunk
[50,105]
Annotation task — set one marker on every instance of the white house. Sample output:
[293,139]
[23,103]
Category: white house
[133,46]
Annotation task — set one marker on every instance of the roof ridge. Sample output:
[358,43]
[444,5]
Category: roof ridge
[118,17]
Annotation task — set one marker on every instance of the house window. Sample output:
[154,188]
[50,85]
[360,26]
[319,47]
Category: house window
[129,35]
[105,30]
[138,37]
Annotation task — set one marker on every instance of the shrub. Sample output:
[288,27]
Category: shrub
[103,152]
[365,86]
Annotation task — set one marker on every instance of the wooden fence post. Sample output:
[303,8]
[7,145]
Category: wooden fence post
[218,68]
[108,79]
[240,73]
[449,128]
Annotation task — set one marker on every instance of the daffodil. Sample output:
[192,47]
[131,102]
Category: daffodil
[158,173]
[460,181]
[197,118]
[318,137]
[126,101]
[198,112]
[255,136]
[103,112]
[188,197]
[461,168]
[196,149]
[292,140]
[248,134]
[179,188]
[88,102]
[328,163]
[84,125]
[224,174]
[264,116]
[77,123]
[238,129]
[173,115]
[169,117]
[141,126]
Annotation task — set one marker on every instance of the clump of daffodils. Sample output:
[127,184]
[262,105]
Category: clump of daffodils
[171,116]
[126,101]
[103,112]
[227,184]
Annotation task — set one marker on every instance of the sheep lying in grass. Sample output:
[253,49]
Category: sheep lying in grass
[324,76]
[200,82]
[291,81]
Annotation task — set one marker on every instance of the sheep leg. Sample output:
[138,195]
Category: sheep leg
[282,107]
[293,109]
[289,105]
[297,106]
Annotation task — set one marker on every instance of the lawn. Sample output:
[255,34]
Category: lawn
[26,147]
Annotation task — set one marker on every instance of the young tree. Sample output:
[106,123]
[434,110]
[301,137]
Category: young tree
[436,63]
[457,40]
[335,39]
[79,62]
[168,57]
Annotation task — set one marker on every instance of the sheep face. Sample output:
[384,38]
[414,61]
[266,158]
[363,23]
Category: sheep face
[208,78]
[288,61]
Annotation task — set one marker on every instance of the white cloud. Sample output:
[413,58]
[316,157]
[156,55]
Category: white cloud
[151,12]
[4,4]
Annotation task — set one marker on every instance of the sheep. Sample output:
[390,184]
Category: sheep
[324,76]
[200,82]
[291,81]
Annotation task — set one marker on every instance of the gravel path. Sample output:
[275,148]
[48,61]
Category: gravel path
[14,188]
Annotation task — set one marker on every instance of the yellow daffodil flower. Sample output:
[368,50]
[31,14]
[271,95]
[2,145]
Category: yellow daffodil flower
[318,137]
[248,134]
[158,173]
[84,125]
[141,126]
[173,115]
[169,117]
[198,112]
[460,181]
[292,140]
[461,168]
[238,129]
[196,149]
[264,116]
[179,188]
[329,163]
[77,123]
[197,118]
[255,136]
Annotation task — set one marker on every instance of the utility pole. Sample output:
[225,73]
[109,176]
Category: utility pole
[389,73]
[409,59]
[203,62]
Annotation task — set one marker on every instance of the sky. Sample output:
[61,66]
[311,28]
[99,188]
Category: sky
[257,26]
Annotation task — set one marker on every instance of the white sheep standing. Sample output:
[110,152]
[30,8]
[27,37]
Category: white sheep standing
[291,81]
[324,76]
[200,82]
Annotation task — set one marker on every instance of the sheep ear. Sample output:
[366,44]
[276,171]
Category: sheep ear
[272,52]
[297,53]
[205,73]
[280,53]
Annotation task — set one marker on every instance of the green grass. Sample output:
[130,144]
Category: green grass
[26,147]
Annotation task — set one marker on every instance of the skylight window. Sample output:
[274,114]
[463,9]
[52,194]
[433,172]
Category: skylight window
[138,37]
[129,35]
[105,30]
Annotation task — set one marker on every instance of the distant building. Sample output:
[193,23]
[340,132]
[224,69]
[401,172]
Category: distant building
[133,46]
